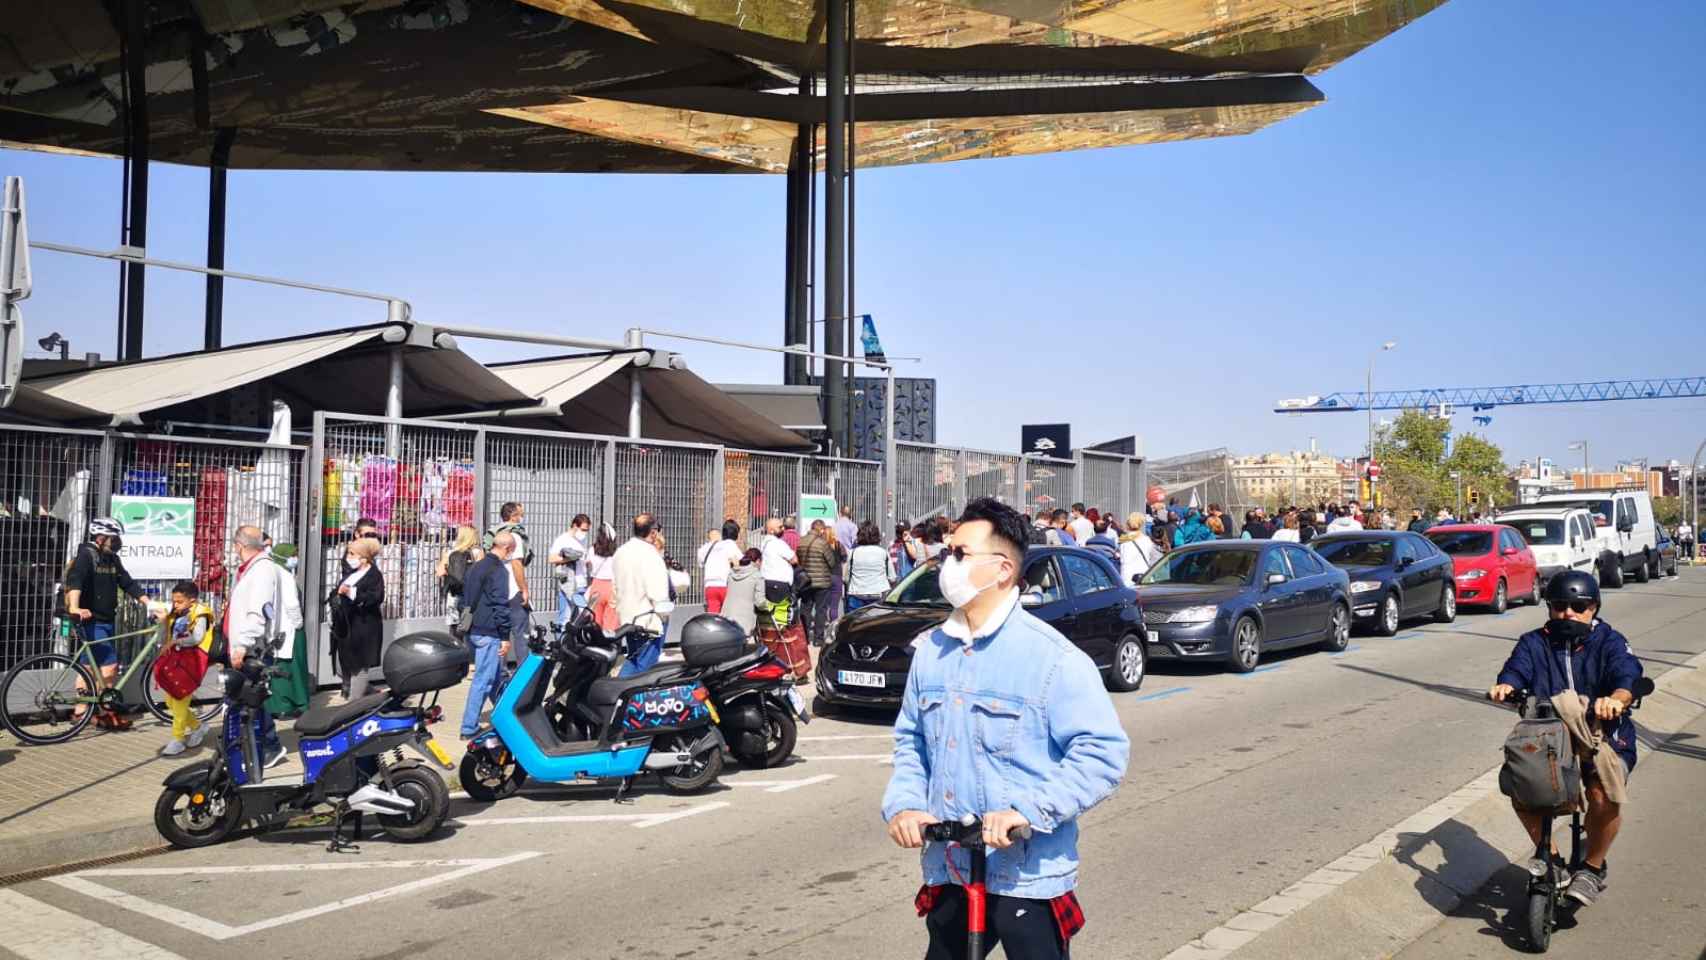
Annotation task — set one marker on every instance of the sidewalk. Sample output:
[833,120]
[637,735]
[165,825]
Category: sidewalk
[94,796]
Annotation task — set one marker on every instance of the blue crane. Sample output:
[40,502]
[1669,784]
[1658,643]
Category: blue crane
[1486,398]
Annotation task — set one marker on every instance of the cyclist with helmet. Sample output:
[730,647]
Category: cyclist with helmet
[92,586]
[1577,650]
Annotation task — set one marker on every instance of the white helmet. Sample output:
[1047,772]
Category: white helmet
[105,527]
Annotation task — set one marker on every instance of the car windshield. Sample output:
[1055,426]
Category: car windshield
[919,589]
[1204,567]
[1463,543]
[1538,530]
[1355,552]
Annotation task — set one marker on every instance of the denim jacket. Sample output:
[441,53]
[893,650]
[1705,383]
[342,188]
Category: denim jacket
[1013,718]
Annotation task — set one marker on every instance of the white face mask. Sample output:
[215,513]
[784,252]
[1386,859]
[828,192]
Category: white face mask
[955,580]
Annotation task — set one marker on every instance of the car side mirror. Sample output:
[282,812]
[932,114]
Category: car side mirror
[1030,599]
[1275,578]
[1511,551]
[1404,563]
[1625,525]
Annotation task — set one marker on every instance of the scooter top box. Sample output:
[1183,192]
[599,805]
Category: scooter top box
[423,662]
[709,639]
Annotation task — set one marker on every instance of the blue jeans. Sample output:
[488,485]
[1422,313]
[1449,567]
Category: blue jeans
[486,670]
[569,604]
[100,646]
[266,729]
[854,603]
[643,654]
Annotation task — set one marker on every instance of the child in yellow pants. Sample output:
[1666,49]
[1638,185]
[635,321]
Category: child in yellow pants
[189,638]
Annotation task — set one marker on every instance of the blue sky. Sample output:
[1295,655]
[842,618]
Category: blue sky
[1510,189]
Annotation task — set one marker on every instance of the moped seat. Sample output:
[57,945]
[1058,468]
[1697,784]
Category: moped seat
[605,691]
[323,719]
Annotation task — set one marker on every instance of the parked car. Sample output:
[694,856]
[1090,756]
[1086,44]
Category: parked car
[1562,538]
[1627,528]
[1074,590]
[1493,564]
[1232,599]
[1668,551]
[1394,575]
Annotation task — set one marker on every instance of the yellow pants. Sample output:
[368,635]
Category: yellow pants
[183,719]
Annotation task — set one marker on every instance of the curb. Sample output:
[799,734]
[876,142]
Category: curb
[75,846]
[1385,894]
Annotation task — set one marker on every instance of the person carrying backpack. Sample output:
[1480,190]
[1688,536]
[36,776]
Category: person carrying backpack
[453,569]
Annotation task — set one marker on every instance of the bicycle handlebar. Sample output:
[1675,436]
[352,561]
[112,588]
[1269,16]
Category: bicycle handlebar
[969,830]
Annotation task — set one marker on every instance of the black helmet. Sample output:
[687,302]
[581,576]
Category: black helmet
[1572,585]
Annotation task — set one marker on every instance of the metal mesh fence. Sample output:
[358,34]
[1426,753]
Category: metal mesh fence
[927,483]
[1103,484]
[678,486]
[1048,484]
[554,479]
[855,483]
[992,475]
[48,493]
[418,499]
[758,486]
[1199,479]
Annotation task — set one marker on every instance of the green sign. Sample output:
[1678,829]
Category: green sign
[816,507]
[159,536]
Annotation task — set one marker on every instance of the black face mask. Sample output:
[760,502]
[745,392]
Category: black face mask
[1568,631]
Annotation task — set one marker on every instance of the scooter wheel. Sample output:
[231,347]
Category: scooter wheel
[780,733]
[487,782]
[1540,907]
[696,775]
[431,798]
[187,824]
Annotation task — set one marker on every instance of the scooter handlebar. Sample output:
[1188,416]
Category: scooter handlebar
[968,830]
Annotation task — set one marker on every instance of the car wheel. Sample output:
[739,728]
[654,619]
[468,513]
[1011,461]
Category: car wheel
[1131,661]
[1246,645]
[1501,598]
[1386,624]
[1613,575]
[1534,592]
[1339,629]
[1447,611]
[823,707]
[1643,573]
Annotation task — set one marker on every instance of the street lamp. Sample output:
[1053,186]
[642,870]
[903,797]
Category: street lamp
[1459,478]
[1368,398]
[1582,445]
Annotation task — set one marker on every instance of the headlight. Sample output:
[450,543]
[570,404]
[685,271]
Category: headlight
[1202,614]
[1364,586]
[1472,575]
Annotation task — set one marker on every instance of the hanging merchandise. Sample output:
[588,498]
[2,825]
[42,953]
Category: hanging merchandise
[331,513]
[406,522]
[459,496]
[143,483]
[433,487]
[210,499]
[153,453]
[379,491]
[351,507]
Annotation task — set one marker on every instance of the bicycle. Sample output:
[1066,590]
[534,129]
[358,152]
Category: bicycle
[1546,891]
[41,695]
[968,834]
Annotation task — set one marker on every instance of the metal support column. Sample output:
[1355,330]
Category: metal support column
[1078,476]
[213,332]
[394,404]
[890,517]
[791,267]
[1124,507]
[135,230]
[607,492]
[801,239]
[103,504]
[961,491]
[1022,498]
[313,552]
[482,480]
[835,224]
[636,395]
[851,311]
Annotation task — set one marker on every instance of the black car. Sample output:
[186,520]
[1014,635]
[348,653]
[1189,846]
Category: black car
[1666,552]
[1074,590]
[1394,575]
[1231,599]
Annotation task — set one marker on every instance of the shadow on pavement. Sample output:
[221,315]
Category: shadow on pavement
[32,808]
[6,756]
[1444,690]
[1499,904]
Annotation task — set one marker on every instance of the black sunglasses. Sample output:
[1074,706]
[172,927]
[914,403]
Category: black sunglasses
[961,553]
[1574,606]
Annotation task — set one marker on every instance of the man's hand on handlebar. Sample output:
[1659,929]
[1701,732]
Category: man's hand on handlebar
[1500,692]
[1608,708]
[1000,826]
[907,828]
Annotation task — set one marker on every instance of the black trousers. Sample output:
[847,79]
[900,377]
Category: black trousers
[1025,929]
[814,612]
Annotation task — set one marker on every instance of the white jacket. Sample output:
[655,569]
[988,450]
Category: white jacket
[264,604]
[641,585]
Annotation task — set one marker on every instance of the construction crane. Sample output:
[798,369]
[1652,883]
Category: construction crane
[1443,400]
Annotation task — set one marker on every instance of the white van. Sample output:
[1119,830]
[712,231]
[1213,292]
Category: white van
[1628,532]
[1562,538]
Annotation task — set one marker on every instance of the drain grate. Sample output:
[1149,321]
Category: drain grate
[42,873]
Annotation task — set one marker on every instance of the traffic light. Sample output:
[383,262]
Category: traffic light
[1474,496]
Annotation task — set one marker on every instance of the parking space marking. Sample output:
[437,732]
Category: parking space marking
[1271,666]
[781,786]
[214,930]
[640,821]
[40,931]
[1159,694]
[867,757]
[1408,635]
[847,736]
[1347,650]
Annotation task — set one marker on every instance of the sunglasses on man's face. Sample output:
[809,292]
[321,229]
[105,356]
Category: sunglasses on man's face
[1574,606]
[961,553]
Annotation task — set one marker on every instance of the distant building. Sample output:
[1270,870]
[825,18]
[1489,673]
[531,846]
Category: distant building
[1624,475]
[1298,476]
[1538,478]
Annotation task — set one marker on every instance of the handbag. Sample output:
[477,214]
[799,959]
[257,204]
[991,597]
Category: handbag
[179,670]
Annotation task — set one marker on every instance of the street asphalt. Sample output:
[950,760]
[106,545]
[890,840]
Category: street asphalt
[1239,787]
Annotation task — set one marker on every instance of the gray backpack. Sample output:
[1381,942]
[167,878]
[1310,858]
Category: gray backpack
[1541,772]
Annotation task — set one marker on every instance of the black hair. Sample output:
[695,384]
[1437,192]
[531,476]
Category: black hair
[1102,525]
[1006,525]
[603,545]
[644,523]
[507,512]
[187,588]
[929,532]
[1078,507]
[367,522]
[751,556]
[580,519]
[731,530]
[900,531]
[869,535]
[1060,515]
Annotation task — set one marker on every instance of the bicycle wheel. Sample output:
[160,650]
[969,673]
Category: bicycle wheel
[204,703]
[40,699]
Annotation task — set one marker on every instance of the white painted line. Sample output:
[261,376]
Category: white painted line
[214,930]
[847,736]
[40,931]
[639,821]
[672,817]
[781,786]
[273,868]
[867,757]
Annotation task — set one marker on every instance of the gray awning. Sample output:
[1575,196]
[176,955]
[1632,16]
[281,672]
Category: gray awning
[789,407]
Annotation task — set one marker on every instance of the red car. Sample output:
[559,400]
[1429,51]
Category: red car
[1493,564]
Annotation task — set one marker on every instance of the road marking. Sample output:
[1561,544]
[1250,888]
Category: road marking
[847,736]
[1410,635]
[40,931]
[1159,694]
[781,786]
[1271,666]
[214,930]
[640,821]
[1351,649]
[878,757]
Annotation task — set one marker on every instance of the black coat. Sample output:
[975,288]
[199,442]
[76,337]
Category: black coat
[358,625]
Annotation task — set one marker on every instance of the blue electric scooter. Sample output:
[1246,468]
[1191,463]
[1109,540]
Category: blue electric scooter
[657,721]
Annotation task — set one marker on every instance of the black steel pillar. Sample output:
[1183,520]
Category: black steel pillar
[135,231]
[852,215]
[791,266]
[835,386]
[213,334]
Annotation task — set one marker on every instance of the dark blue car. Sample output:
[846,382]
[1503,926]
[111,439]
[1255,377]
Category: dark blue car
[1232,599]
[1394,575]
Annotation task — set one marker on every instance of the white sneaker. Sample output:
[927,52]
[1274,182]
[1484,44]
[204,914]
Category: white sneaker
[196,737]
[172,749]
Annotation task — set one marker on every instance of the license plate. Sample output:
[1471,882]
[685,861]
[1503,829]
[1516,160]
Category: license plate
[854,678]
[439,754]
[799,704]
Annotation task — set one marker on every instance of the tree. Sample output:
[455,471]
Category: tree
[1668,511]
[1416,468]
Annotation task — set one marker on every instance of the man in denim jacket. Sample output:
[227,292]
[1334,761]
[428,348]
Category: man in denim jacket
[1005,719]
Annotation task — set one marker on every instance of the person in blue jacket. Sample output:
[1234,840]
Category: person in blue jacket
[1577,650]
